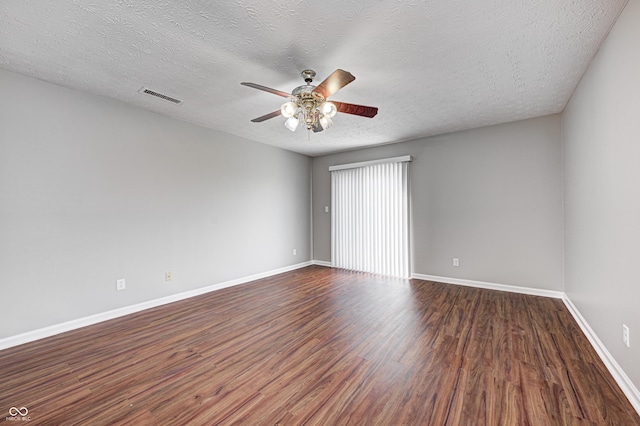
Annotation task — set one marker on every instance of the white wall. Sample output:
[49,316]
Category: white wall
[491,197]
[601,136]
[92,190]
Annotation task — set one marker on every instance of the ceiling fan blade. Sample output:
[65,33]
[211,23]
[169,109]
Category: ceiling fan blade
[361,110]
[336,81]
[266,116]
[267,89]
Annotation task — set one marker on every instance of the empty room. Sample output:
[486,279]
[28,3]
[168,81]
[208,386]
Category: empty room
[322,213]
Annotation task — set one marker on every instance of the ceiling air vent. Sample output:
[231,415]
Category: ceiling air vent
[159,95]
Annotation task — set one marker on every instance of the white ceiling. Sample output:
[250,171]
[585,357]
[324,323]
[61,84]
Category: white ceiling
[431,67]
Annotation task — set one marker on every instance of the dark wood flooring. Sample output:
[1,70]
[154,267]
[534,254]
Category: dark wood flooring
[321,346]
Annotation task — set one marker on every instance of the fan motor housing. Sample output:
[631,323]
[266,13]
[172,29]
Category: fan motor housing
[304,89]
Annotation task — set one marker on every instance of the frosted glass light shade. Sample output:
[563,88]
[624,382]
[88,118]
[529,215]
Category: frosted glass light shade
[325,122]
[292,123]
[288,109]
[328,109]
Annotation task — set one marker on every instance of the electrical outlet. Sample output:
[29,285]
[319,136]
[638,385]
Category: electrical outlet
[295,252]
[121,284]
[326,209]
[456,261]
[625,335]
[168,276]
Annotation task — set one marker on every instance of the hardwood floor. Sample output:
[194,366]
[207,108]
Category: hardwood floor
[323,347]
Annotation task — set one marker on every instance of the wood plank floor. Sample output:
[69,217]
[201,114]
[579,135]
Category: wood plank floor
[321,346]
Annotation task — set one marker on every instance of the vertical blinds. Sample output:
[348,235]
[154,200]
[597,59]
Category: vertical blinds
[370,218]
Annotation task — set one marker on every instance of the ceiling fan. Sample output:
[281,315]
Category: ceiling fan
[309,104]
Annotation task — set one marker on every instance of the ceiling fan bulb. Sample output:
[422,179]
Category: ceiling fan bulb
[328,109]
[288,109]
[292,123]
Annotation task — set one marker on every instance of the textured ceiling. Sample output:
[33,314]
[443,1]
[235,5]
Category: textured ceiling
[431,67]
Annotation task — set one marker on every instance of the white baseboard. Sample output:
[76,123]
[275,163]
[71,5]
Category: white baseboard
[491,286]
[628,388]
[52,330]
[322,263]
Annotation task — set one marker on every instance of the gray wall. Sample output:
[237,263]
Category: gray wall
[491,197]
[92,190]
[601,135]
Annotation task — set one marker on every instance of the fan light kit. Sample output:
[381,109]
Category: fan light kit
[309,104]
